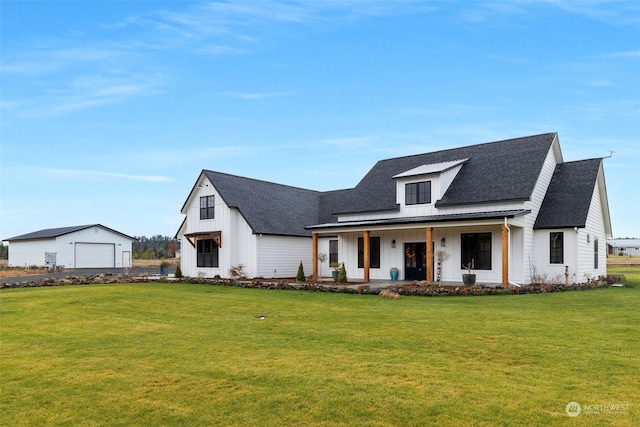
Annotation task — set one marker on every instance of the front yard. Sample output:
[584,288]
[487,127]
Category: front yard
[191,354]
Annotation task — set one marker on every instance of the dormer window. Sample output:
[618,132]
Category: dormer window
[417,193]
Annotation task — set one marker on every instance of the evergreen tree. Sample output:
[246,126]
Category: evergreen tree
[342,276]
[300,276]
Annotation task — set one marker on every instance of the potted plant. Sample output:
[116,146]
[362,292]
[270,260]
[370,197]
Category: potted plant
[164,267]
[469,278]
[336,271]
[394,273]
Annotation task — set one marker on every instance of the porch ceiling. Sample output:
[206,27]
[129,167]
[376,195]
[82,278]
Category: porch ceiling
[471,216]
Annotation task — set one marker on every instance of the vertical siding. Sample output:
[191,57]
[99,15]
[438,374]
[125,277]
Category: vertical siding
[193,224]
[240,246]
[32,252]
[29,252]
[531,257]
[594,229]
[542,253]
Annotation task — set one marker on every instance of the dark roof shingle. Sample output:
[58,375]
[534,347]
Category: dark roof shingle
[267,207]
[495,172]
[52,233]
[568,198]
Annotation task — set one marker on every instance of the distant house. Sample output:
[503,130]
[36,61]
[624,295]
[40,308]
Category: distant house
[83,246]
[512,209]
[624,246]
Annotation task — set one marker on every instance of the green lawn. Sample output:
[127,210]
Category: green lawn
[179,354]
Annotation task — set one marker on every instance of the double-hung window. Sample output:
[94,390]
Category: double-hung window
[417,193]
[333,252]
[207,210]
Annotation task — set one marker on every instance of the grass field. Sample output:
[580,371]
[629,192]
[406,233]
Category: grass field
[178,354]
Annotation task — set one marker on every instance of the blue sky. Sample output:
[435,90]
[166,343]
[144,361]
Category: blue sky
[110,109]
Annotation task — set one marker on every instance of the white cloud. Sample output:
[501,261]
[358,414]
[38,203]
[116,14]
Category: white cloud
[75,174]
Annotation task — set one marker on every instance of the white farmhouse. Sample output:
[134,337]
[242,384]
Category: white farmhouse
[511,209]
[83,246]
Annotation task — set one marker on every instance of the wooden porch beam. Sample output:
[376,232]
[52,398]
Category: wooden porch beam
[429,255]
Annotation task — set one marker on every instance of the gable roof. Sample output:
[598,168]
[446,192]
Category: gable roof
[267,207]
[494,172]
[568,198]
[52,233]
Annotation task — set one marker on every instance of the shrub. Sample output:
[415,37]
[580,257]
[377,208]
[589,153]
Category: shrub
[178,272]
[300,276]
[342,276]
[237,271]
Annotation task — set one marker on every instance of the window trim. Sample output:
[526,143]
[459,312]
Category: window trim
[417,195]
[333,255]
[481,258]
[374,252]
[203,258]
[556,254]
[207,207]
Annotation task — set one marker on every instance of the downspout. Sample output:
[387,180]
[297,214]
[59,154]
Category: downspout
[506,224]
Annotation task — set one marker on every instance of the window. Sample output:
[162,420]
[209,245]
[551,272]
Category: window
[595,253]
[374,252]
[333,251]
[417,193]
[556,246]
[207,253]
[207,207]
[476,250]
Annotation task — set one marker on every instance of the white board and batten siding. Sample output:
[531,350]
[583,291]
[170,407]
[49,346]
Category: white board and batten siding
[193,224]
[532,259]
[593,232]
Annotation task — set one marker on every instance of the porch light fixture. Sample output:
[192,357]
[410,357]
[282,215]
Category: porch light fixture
[393,243]
[443,242]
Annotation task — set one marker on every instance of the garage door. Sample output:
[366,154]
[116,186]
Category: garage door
[95,255]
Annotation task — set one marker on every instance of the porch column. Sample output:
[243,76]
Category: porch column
[367,254]
[505,256]
[314,254]
[429,255]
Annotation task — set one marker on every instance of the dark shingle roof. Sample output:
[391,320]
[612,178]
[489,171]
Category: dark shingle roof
[568,197]
[267,207]
[52,233]
[495,172]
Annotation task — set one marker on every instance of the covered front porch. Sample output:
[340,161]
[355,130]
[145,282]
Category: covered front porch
[429,253]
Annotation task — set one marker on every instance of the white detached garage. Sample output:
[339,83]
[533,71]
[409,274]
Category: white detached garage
[83,246]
